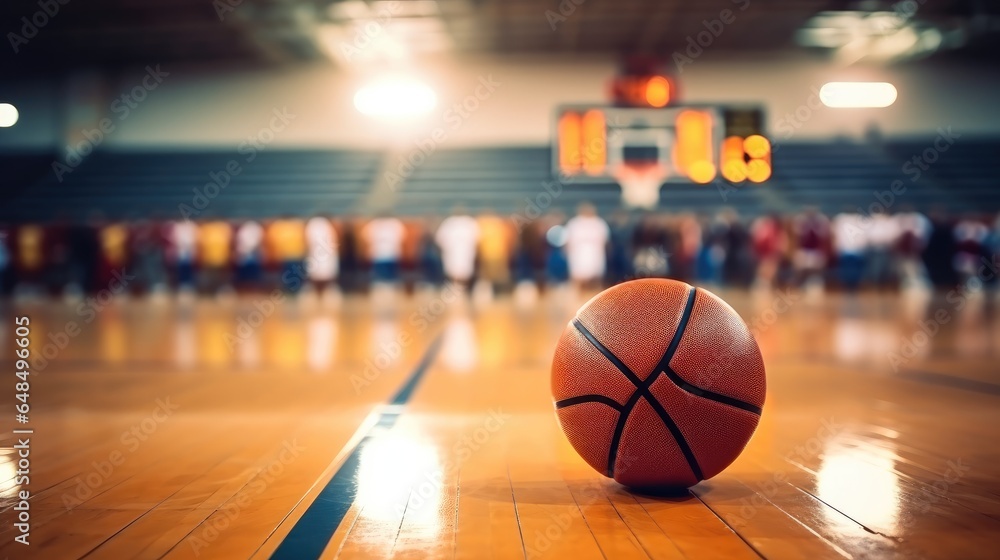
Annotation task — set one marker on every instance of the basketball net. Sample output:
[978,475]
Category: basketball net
[640,183]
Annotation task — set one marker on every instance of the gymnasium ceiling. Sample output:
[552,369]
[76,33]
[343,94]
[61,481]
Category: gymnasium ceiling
[114,33]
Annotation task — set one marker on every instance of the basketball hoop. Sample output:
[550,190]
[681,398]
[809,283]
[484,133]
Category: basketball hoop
[640,183]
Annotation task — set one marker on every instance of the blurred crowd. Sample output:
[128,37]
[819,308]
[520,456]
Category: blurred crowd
[848,251]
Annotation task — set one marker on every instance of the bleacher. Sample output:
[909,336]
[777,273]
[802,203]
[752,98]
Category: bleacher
[964,173]
[838,175]
[130,184]
[20,173]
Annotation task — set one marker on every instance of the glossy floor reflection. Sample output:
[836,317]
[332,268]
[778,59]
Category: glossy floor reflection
[209,429]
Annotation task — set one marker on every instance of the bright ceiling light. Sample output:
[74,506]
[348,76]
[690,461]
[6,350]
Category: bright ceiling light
[8,115]
[842,95]
[395,98]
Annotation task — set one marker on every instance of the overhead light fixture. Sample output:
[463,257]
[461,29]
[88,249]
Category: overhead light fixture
[850,95]
[8,115]
[881,36]
[395,98]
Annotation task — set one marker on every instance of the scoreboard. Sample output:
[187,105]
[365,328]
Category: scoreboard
[693,143]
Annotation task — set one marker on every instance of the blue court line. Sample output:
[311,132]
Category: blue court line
[313,531]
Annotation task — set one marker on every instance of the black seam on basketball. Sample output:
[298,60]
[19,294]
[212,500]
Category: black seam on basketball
[676,341]
[589,399]
[664,366]
[607,353]
[678,436]
[627,407]
[642,390]
[616,438]
[706,394]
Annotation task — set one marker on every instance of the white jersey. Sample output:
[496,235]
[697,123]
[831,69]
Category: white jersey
[849,235]
[321,245]
[184,236]
[883,231]
[385,239]
[458,237]
[249,236]
[586,238]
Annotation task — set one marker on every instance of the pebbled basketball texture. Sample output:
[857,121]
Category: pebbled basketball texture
[657,383]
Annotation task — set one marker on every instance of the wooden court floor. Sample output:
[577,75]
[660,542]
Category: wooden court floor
[424,428]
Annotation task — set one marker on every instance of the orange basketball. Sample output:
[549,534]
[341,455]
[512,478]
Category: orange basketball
[657,383]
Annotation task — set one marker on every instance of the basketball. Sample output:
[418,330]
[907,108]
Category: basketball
[658,383]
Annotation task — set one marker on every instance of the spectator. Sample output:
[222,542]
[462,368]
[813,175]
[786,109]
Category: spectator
[287,243]
[883,232]
[384,238]
[970,240]
[738,262]
[458,237]
[30,257]
[350,254]
[114,241]
[85,249]
[57,262]
[768,238]
[940,250]
[914,233]
[496,244]
[183,239]
[713,249]
[992,256]
[688,247]
[431,268]
[322,263]
[529,256]
[248,256]
[6,261]
[850,242]
[650,248]
[622,228]
[147,257]
[812,236]
[214,245]
[556,265]
[586,246]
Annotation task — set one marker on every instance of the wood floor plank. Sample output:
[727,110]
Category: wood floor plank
[851,459]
